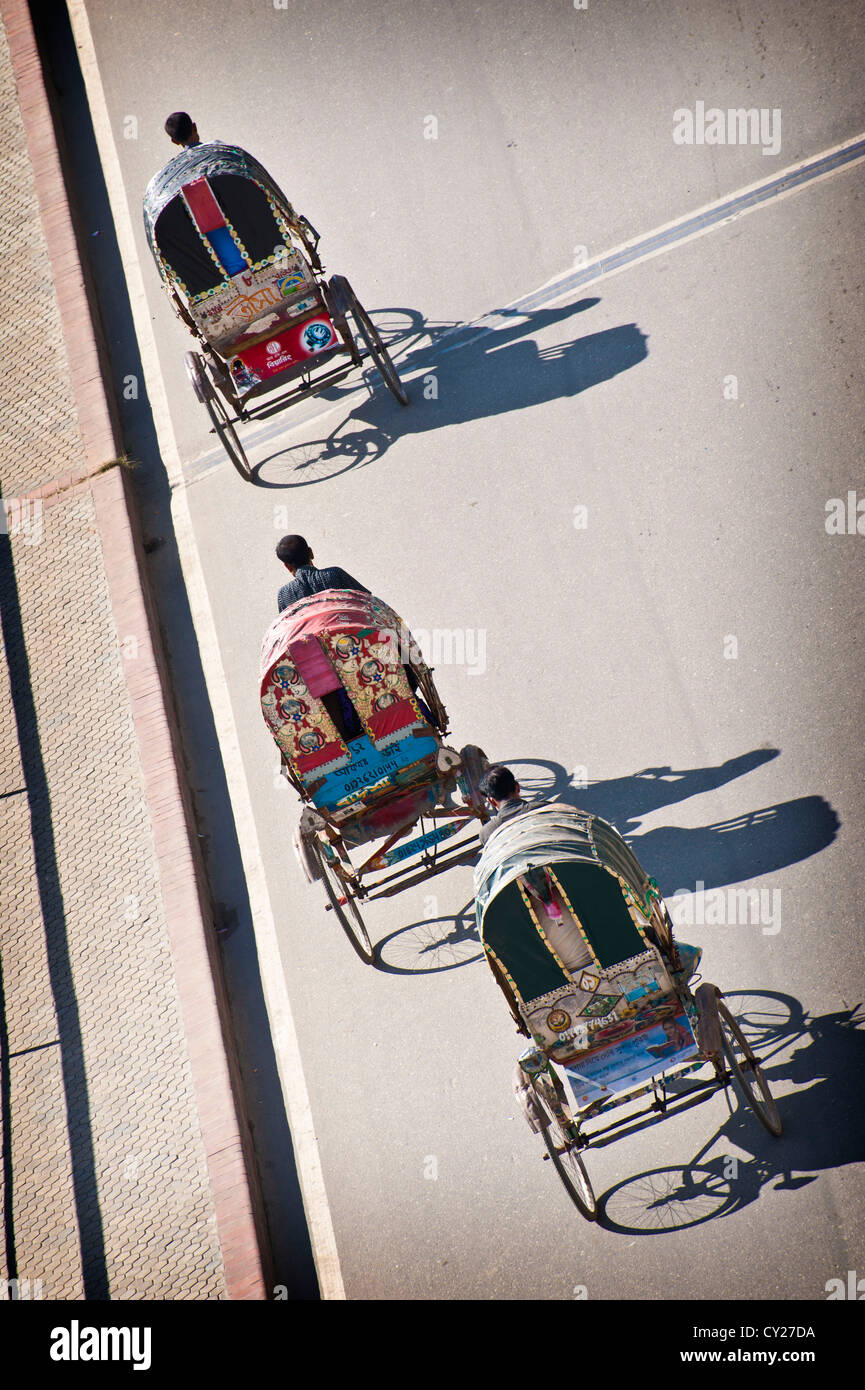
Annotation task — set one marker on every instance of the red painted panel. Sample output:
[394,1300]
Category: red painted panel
[205,209]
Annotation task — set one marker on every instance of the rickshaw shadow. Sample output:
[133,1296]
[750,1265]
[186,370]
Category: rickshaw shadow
[431,945]
[485,371]
[729,851]
[626,800]
[744,847]
[831,1050]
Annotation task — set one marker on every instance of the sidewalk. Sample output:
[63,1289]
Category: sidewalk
[126,1171]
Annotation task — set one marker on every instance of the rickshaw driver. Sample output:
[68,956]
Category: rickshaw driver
[182,129]
[502,789]
[306,578]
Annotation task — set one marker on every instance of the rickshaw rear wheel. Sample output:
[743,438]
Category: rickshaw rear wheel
[568,1163]
[341,899]
[572,1171]
[206,392]
[368,331]
[749,1077]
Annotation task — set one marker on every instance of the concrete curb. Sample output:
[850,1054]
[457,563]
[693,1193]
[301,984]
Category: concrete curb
[240,1217]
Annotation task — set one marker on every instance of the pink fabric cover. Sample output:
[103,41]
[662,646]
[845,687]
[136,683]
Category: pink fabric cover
[310,637]
[334,610]
[314,665]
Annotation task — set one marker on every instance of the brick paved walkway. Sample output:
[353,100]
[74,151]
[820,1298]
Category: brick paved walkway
[108,1150]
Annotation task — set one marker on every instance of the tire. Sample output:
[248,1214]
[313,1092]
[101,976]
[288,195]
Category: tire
[749,1078]
[206,392]
[376,348]
[568,1163]
[341,899]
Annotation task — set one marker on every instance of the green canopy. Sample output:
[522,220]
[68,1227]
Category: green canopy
[593,868]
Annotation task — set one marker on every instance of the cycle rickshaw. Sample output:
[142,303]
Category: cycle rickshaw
[581,943]
[242,271]
[360,727]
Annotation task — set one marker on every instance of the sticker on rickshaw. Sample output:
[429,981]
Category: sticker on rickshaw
[293,345]
[405,851]
[647,1051]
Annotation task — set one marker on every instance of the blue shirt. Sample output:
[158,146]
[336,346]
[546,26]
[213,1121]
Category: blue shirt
[310,580]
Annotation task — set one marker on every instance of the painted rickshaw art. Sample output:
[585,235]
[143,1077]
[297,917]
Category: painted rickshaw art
[243,273]
[360,728]
[581,944]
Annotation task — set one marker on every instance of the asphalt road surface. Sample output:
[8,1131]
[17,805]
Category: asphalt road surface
[615,503]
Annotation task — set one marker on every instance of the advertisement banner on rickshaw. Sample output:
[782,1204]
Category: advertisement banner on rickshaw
[651,1048]
[289,348]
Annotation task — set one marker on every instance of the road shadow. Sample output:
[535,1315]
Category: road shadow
[494,372]
[729,851]
[431,945]
[748,846]
[724,852]
[828,1053]
[76,1095]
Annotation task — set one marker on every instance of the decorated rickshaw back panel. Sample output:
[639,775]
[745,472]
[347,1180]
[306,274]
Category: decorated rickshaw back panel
[628,1054]
[344,646]
[572,947]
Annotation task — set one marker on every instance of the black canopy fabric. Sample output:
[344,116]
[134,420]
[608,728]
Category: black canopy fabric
[251,201]
[247,208]
[185,250]
[511,935]
[596,895]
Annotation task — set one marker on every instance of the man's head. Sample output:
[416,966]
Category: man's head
[498,784]
[182,129]
[293,551]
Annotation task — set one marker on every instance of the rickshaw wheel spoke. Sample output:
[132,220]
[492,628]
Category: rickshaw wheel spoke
[432,699]
[376,348]
[572,1171]
[206,391]
[568,1163]
[752,1083]
[341,899]
[667,1199]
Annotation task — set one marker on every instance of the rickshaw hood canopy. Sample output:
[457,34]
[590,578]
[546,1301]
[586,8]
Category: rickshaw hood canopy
[203,162]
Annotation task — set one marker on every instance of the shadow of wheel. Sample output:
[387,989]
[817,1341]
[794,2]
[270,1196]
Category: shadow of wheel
[436,944]
[765,1016]
[666,1199]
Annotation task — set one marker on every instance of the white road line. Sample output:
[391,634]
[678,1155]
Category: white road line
[712,215]
[273,980]
[613,262]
